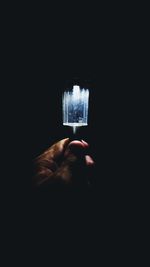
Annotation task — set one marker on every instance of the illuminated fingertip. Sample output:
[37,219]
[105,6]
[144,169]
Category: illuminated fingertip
[76,143]
[85,143]
[89,161]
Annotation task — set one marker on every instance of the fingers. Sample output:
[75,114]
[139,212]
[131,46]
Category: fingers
[55,151]
[46,164]
[89,161]
[63,161]
[76,162]
[80,144]
[59,148]
[77,148]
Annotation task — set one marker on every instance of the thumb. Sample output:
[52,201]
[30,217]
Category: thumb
[55,151]
[45,165]
[78,148]
[73,163]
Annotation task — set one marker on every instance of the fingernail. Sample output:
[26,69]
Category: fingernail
[85,143]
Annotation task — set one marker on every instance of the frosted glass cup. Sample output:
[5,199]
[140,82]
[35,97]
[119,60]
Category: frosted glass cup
[75,105]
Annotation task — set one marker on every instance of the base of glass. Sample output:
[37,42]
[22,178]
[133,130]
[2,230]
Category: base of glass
[75,124]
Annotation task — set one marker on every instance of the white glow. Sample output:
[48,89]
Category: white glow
[76,92]
[75,107]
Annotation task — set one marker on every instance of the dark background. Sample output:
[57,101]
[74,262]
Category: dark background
[106,72]
[45,51]
[99,53]
[96,47]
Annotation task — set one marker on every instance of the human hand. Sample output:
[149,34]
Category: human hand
[65,163]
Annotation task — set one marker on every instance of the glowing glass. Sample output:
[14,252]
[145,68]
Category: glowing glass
[75,107]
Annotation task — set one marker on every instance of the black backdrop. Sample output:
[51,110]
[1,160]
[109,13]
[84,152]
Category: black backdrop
[45,56]
[107,77]
[98,50]
[102,59]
